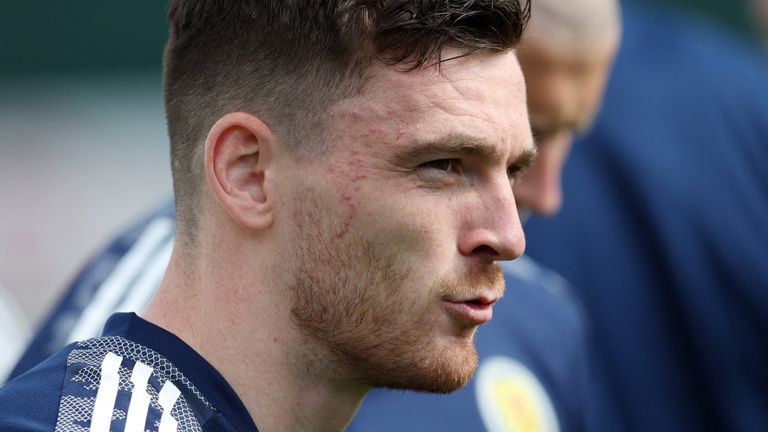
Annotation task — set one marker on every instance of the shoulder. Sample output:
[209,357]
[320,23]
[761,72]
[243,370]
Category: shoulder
[120,384]
[538,339]
[107,383]
[541,322]
[31,401]
[540,296]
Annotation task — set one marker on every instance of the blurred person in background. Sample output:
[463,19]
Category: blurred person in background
[664,229]
[535,366]
[14,331]
[759,9]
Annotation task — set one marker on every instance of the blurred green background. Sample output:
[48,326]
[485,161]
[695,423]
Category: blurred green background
[77,36]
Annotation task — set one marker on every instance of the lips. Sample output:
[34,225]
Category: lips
[475,311]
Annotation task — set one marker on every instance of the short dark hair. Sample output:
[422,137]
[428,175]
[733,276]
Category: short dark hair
[286,61]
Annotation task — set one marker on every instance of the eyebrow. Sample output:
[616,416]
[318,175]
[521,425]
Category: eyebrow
[456,145]
[524,160]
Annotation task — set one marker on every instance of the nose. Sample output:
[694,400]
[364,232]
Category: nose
[494,231]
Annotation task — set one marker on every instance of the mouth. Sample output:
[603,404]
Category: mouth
[474,311]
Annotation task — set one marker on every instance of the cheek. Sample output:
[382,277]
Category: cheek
[419,230]
[344,190]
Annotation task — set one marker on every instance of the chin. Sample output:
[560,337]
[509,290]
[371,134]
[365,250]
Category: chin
[436,371]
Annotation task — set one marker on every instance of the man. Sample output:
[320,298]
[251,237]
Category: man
[665,228]
[566,57]
[539,331]
[342,174]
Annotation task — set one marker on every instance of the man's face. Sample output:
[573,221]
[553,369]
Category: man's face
[564,94]
[400,222]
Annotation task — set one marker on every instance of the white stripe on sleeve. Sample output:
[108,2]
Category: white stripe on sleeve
[167,398]
[107,394]
[139,407]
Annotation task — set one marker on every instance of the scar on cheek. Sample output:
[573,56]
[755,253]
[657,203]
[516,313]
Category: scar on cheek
[350,203]
[349,200]
[352,172]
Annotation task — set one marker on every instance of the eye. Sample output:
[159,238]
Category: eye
[515,173]
[445,165]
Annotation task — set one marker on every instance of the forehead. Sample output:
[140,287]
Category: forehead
[481,95]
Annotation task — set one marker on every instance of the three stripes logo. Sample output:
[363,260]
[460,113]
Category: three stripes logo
[138,409]
[114,393]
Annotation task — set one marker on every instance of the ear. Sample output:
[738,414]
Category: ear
[237,158]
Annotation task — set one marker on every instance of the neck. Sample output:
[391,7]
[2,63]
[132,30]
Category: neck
[283,381]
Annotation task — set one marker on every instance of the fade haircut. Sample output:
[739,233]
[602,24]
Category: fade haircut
[287,61]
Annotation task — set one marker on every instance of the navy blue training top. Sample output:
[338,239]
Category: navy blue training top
[135,377]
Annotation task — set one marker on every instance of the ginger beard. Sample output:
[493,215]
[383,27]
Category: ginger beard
[351,300]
